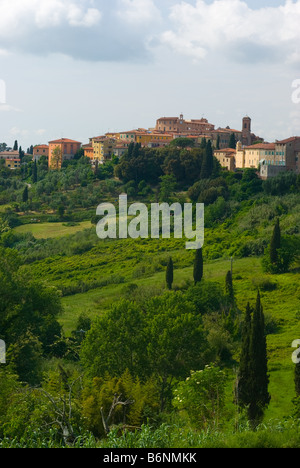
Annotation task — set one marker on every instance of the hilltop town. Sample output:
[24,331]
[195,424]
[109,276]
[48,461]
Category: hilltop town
[234,149]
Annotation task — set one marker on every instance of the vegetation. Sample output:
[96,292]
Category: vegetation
[141,343]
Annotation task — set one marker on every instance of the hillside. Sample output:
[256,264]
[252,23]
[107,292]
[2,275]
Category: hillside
[83,289]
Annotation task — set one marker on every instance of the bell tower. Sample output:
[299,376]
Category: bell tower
[246,131]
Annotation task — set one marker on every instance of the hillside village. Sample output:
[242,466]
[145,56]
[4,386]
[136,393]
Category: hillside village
[234,149]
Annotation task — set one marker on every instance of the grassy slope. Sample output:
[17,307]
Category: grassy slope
[51,230]
[142,263]
[283,304]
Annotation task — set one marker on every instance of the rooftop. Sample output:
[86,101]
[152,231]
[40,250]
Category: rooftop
[64,140]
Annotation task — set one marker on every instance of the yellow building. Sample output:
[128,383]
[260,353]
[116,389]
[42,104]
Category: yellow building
[103,148]
[153,139]
[226,158]
[252,156]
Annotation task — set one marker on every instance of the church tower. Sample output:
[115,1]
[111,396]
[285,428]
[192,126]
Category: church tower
[246,131]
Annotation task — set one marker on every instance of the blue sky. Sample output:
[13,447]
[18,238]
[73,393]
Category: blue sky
[80,68]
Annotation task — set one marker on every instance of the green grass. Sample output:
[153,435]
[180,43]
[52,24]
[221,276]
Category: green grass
[51,230]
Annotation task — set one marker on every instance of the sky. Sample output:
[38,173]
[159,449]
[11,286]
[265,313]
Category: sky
[81,68]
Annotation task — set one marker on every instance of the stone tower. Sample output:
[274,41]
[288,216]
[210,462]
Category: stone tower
[246,132]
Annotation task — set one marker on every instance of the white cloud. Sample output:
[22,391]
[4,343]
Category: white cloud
[138,12]
[19,16]
[231,26]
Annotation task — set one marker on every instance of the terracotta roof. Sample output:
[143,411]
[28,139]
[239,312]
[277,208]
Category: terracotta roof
[169,118]
[287,140]
[64,140]
[226,150]
[266,146]
[41,146]
[9,153]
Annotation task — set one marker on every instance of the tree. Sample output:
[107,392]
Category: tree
[56,159]
[21,153]
[170,273]
[198,266]
[16,146]
[208,162]
[25,195]
[163,339]
[183,142]
[275,243]
[202,396]
[61,211]
[218,142]
[167,188]
[253,379]
[229,287]
[28,311]
[232,141]
[34,172]
[243,380]
[259,396]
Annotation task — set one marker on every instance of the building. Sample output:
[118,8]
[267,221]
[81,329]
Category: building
[226,158]
[252,156]
[180,125]
[221,137]
[39,151]
[88,151]
[62,150]
[11,158]
[103,148]
[288,153]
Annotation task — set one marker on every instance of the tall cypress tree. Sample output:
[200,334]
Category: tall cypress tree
[170,274]
[16,146]
[243,383]
[297,379]
[198,266]
[34,172]
[208,162]
[232,141]
[275,243]
[229,287]
[25,195]
[259,379]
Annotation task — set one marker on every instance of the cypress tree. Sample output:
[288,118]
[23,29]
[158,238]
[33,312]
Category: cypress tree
[208,162]
[232,141]
[16,146]
[203,143]
[25,195]
[130,150]
[170,274]
[198,266]
[229,287]
[218,142]
[34,172]
[259,379]
[275,243]
[243,383]
[297,379]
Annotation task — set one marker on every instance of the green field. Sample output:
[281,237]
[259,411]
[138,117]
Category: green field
[51,230]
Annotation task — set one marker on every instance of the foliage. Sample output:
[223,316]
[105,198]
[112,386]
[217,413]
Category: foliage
[202,396]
